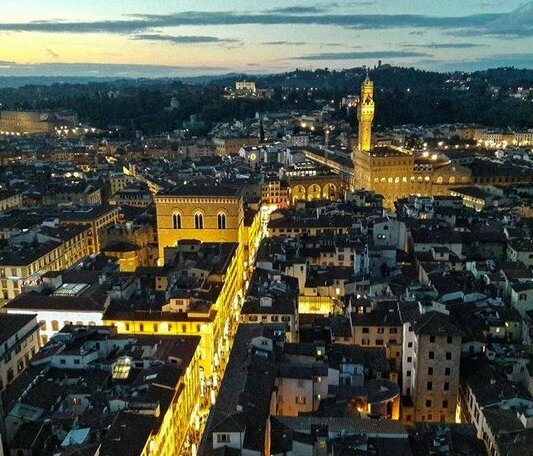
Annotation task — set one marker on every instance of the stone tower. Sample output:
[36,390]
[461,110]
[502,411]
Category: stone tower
[365,115]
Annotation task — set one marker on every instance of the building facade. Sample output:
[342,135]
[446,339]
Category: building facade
[431,359]
[395,172]
[201,213]
[19,342]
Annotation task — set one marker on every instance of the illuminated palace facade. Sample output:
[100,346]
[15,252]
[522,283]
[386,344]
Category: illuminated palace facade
[197,219]
[395,172]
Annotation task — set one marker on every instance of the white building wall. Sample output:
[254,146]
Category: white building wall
[48,316]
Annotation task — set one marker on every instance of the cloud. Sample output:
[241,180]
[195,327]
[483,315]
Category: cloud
[183,39]
[358,21]
[515,23]
[495,4]
[303,43]
[118,70]
[284,43]
[362,55]
[297,10]
[52,53]
[444,45]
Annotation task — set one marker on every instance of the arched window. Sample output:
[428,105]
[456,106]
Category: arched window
[452,180]
[440,180]
[176,220]
[198,221]
[221,221]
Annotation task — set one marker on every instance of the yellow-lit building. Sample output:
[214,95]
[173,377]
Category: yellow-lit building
[395,172]
[190,219]
[19,342]
[34,122]
[317,305]
[120,181]
[275,192]
[214,322]
[313,188]
[34,253]
[9,200]
[94,217]
[232,145]
[181,417]
[365,115]
[252,234]
[207,214]
[136,195]
[133,245]
[245,85]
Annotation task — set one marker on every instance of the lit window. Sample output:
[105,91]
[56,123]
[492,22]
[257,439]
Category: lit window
[121,368]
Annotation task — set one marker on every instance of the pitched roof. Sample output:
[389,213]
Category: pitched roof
[436,324]
[11,323]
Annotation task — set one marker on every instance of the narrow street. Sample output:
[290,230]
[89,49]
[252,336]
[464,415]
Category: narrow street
[200,419]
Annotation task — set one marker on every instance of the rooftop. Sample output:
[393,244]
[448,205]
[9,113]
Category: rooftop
[195,190]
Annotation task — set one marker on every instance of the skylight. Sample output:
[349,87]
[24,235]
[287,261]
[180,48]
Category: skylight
[121,368]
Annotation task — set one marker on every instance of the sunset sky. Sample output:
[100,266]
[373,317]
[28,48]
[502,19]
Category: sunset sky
[191,37]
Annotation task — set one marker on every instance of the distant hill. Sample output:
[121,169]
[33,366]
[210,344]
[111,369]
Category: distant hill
[322,78]
[403,96]
[20,81]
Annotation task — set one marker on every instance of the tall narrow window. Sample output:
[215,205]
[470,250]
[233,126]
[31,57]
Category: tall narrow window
[198,221]
[221,219]
[176,221]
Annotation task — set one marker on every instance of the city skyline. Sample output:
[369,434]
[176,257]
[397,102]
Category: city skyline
[163,38]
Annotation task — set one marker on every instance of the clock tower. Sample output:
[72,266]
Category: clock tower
[365,115]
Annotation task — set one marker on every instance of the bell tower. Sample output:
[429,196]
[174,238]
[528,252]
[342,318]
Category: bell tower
[365,115]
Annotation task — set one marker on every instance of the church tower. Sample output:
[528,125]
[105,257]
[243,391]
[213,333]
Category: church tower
[365,115]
